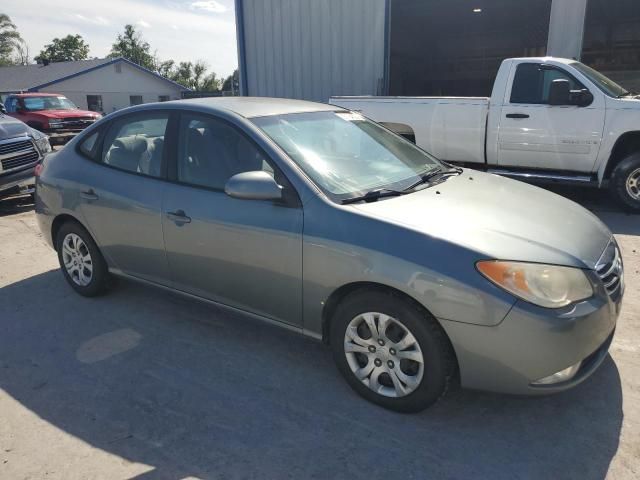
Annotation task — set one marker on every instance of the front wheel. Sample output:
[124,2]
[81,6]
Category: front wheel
[391,352]
[625,182]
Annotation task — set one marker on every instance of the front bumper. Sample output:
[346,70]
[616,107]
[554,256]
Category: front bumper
[16,182]
[534,342]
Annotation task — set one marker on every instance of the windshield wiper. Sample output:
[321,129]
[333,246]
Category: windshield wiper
[374,195]
[438,172]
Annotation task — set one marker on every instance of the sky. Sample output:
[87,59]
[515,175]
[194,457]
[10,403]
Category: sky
[181,30]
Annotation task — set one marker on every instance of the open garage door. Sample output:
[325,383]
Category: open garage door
[455,47]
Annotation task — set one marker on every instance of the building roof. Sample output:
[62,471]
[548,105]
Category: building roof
[32,77]
[259,106]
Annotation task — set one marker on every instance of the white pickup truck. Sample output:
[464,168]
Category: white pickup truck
[548,119]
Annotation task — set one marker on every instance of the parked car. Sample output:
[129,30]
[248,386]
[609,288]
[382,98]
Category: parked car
[21,148]
[51,113]
[321,221]
[548,119]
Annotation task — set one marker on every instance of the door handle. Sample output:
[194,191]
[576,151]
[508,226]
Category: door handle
[517,115]
[89,195]
[178,216]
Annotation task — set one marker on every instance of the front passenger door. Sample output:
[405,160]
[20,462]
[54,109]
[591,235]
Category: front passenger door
[534,134]
[242,253]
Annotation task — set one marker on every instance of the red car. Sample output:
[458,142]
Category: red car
[51,113]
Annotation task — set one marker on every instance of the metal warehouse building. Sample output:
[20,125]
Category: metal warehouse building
[313,49]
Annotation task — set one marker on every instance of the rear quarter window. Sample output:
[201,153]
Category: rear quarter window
[88,146]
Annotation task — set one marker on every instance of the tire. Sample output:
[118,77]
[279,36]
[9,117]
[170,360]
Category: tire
[416,385]
[89,276]
[625,182]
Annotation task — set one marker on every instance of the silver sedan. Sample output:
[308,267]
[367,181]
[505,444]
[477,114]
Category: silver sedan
[415,272]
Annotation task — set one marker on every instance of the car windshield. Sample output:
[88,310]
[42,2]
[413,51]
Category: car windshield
[608,86]
[347,155]
[33,104]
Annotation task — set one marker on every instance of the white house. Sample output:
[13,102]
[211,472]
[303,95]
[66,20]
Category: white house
[102,85]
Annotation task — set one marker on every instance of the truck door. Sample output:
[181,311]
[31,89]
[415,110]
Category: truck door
[535,134]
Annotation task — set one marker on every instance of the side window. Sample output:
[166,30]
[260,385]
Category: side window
[11,104]
[88,145]
[136,143]
[532,82]
[211,151]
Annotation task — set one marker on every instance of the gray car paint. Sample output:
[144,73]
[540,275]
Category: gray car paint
[289,265]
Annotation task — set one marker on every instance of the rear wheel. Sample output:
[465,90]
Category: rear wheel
[625,182]
[81,261]
[391,352]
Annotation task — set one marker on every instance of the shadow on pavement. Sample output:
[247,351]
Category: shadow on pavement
[15,205]
[192,390]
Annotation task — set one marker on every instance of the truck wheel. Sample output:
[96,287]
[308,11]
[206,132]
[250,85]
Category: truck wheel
[625,182]
[390,352]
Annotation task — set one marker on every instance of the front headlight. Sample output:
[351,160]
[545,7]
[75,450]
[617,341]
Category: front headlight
[548,286]
[41,141]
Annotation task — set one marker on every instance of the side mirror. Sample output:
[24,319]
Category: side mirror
[258,185]
[2,108]
[581,98]
[559,92]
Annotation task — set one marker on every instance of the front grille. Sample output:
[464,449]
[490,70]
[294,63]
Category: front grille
[609,269]
[17,153]
[6,149]
[77,122]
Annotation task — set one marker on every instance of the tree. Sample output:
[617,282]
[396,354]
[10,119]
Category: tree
[231,83]
[132,46]
[10,40]
[191,75]
[66,49]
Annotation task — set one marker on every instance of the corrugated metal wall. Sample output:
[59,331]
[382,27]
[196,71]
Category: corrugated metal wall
[312,49]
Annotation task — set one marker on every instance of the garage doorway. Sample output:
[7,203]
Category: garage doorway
[454,48]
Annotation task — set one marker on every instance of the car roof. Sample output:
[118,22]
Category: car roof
[36,94]
[259,106]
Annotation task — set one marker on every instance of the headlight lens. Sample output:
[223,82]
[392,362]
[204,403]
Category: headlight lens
[548,286]
[41,141]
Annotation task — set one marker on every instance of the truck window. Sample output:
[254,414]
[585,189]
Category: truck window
[532,82]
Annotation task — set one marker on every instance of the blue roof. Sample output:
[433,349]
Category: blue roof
[34,77]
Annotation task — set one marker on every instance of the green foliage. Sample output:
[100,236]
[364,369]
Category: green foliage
[10,40]
[71,47]
[133,47]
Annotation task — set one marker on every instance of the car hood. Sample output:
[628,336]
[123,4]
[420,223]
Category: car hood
[10,127]
[499,218]
[65,113]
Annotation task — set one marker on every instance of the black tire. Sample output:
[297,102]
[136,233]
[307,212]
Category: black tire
[100,277]
[626,168]
[439,363]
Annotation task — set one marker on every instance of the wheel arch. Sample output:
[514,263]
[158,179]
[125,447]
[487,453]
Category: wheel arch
[59,221]
[342,292]
[627,144]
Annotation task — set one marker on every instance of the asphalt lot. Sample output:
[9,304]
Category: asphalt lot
[142,384]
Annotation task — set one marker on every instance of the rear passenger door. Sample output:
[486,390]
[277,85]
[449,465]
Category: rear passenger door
[121,194]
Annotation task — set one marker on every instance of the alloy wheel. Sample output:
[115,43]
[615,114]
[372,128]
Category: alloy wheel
[77,259]
[633,184]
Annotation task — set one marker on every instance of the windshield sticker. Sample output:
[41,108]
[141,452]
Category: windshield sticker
[350,116]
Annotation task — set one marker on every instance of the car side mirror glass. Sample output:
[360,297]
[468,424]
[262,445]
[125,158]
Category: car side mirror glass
[258,185]
[581,98]
[559,92]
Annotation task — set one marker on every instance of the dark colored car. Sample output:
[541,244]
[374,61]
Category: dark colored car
[51,113]
[21,148]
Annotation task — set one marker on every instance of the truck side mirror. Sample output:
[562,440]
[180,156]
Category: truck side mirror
[581,98]
[559,92]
